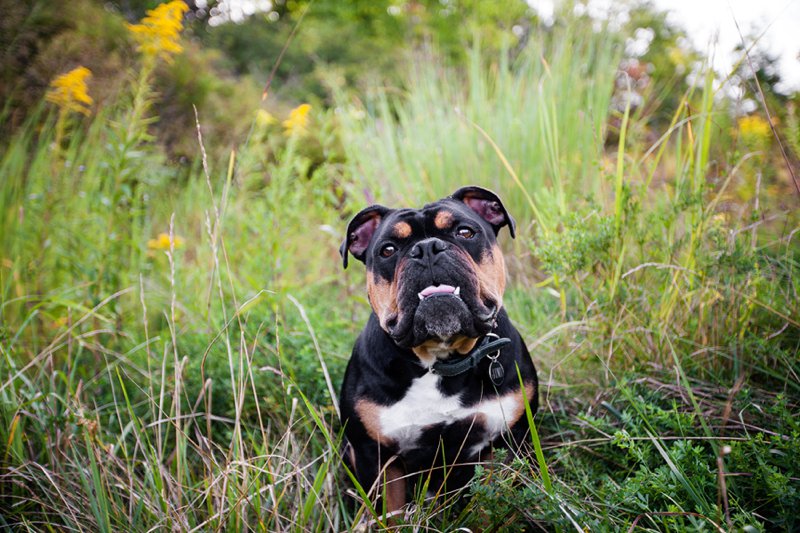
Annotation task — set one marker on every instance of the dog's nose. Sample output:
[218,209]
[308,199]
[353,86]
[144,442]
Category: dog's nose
[428,248]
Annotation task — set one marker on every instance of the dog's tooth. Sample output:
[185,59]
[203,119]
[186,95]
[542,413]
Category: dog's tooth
[421,297]
[457,292]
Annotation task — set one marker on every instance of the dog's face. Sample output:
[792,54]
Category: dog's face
[435,276]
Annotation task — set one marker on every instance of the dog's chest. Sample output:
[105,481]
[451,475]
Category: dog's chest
[425,409]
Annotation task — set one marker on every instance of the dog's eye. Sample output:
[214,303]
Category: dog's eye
[465,233]
[388,250]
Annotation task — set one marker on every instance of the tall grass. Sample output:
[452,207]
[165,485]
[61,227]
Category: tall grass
[148,387]
[190,387]
[546,110]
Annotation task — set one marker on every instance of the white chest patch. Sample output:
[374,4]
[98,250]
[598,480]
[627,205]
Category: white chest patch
[424,405]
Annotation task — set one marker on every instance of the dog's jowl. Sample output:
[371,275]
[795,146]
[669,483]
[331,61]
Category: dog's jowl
[433,383]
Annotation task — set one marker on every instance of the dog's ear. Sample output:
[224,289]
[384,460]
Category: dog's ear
[488,205]
[360,231]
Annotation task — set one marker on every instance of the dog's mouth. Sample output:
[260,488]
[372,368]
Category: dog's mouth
[487,313]
[439,290]
[443,312]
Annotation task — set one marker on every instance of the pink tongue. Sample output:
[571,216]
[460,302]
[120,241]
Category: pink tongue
[440,289]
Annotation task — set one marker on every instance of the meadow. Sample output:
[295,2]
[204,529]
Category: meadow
[173,334]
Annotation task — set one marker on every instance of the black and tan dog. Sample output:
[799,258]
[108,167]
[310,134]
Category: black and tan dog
[432,385]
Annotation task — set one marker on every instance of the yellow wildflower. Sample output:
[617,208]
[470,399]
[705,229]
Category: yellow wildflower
[159,31]
[298,119]
[679,58]
[162,242]
[69,92]
[264,118]
[754,130]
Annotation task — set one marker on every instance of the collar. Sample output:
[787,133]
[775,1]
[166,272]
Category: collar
[490,343]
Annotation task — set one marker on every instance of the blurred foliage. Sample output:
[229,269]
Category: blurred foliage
[347,43]
[665,64]
[584,240]
[336,45]
[42,39]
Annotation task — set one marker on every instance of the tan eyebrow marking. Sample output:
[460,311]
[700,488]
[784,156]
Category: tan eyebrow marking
[443,220]
[401,230]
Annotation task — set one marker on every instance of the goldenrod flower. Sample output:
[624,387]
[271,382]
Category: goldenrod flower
[160,30]
[69,92]
[298,119]
[264,118]
[162,242]
[754,130]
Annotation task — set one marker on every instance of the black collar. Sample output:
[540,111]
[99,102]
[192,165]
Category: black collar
[490,343]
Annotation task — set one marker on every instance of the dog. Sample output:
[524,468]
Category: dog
[433,383]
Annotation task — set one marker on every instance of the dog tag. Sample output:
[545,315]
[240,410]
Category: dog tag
[496,373]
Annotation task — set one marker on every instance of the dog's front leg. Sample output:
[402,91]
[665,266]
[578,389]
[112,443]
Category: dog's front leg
[393,486]
[376,475]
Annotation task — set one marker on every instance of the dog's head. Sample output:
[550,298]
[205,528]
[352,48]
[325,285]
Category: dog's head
[435,276]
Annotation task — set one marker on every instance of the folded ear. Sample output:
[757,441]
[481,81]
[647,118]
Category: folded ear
[360,231]
[488,205]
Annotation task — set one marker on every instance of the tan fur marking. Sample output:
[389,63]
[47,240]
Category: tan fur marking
[463,344]
[427,351]
[370,415]
[423,351]
[395,488]
[401,230]
[520,402]
[492,275]
[443,220]
[382,297]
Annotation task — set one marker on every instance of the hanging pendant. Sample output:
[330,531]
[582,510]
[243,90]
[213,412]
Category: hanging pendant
[496,373]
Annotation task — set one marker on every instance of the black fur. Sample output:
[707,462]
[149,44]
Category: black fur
[385,378]
[426,251]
